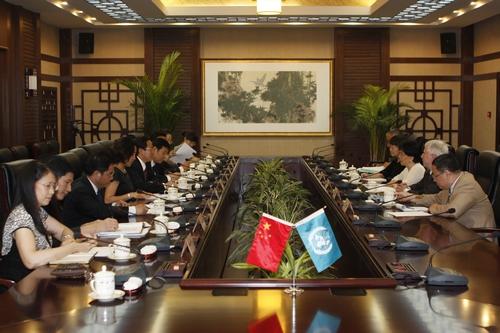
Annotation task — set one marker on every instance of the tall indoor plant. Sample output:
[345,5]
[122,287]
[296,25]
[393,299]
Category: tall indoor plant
[376,113]
[161,100]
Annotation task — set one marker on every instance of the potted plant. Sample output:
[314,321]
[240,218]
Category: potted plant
[272,190]
[160,101]
[376,113]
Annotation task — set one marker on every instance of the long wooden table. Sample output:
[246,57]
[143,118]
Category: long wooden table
[41,303]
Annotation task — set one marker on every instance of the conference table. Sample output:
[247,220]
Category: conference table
[213,297]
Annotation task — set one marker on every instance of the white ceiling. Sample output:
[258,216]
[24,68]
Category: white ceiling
[107,13]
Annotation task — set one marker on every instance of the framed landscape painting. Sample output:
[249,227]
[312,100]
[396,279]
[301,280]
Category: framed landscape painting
[267,97]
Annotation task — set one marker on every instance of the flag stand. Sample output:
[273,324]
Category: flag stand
[293,290]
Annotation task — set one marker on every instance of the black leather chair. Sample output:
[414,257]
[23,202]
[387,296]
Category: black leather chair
[106,144]
[467,157]
[94,148]
[8,176]
[40,151]
[53,147]
[81,153]
[6,155]
[487,172]
[20,152]
[74,161]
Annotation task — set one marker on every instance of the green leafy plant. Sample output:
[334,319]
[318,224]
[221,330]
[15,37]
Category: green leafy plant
[376,113]
[271,190]
[161,100]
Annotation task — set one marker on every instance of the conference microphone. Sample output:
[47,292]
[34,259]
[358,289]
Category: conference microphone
[226,152]
[151,194]
[130,248]
[322,150]
[437,276]
[320,147]
[215,151]
[384,185]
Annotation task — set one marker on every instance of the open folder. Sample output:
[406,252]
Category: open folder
[129,230]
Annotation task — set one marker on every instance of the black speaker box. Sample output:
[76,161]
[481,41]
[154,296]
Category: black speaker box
[85,43]
[448,43]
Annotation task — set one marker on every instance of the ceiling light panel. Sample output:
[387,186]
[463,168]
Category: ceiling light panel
[118,10]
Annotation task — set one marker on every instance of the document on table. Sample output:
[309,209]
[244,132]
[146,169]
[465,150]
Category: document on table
[409,214]
[183,153]
[75,258]
[130,230]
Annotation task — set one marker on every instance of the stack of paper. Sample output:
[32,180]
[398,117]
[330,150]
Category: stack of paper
[129,230]
[182,154]
[371,169]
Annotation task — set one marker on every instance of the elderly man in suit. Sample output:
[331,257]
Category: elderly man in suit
[460,191]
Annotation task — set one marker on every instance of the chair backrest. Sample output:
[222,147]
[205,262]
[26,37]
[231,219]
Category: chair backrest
[487,172]
[40,150]
[74,161]
[6,155]
[94,148]
[467,157]
[8,184]
[53,147]
[20,152]
[81,153]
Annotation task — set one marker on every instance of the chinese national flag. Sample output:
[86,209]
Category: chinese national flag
[269,242]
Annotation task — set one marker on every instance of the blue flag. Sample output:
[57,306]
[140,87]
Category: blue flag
[319,239]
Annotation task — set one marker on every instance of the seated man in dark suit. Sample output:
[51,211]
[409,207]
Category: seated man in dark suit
[160,168]
[140,171]
[460,191]
[85,202]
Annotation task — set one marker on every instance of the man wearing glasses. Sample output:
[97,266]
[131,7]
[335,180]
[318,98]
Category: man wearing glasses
[460,191]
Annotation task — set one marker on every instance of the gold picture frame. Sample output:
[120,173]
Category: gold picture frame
[267,97]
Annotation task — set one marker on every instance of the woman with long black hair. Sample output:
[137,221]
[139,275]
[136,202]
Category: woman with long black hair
[28,231]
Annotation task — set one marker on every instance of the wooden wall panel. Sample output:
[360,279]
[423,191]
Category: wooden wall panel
[361,57]
[160,42]
[30,48]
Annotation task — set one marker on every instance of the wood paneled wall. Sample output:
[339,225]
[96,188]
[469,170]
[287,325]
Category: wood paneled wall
[160,42]
[20,44]
[361,57]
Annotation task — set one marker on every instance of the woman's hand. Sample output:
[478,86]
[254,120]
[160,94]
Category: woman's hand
[84,246]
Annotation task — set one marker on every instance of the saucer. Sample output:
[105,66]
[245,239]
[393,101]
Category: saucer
[130,256]
[156,232]
[172,225]
[116,294]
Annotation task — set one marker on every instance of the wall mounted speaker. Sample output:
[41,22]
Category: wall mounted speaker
[448,43]
[85,42]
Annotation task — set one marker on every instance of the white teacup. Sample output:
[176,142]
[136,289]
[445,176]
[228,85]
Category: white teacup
[160,226]
[191,173]
[182,183]
[192,165]
[121,247]
[159,206]
[172,193]
[103,283]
